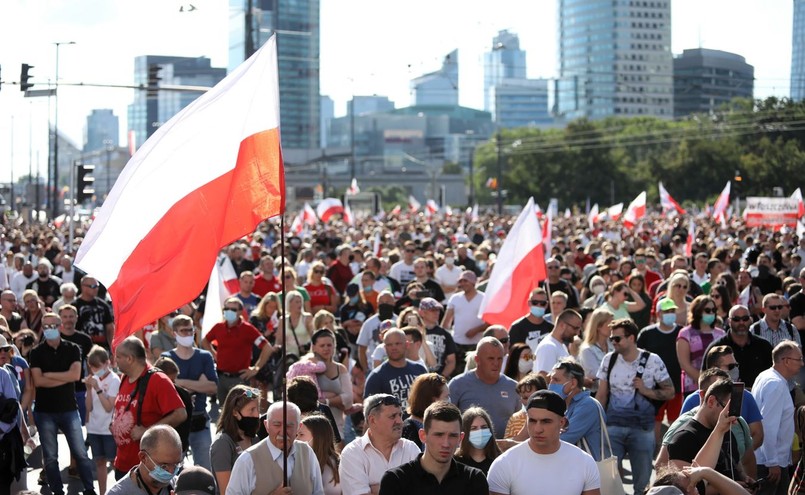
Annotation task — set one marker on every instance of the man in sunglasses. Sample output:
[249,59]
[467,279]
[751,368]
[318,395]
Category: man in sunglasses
[531,327]
[772,326]
[381,448]
[554,346]
[752,353]
[94,314]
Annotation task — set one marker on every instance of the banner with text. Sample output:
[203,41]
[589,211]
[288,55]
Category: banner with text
[771,212]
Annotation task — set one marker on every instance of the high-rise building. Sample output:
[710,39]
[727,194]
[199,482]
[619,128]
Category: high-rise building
[103,130]
[798,52]
[615,58]
[504,61]
[520,103]
[706,79]
[327,114]
[296,23]
[440,87]
[148,112]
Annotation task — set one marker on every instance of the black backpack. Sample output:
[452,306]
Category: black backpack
[139,392]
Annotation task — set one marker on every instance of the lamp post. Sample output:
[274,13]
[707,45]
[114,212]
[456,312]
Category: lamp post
[107,144]
[53,204]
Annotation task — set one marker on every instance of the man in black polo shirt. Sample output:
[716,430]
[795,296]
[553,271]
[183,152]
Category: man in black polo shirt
[55,367]
[531,327]
[435,471]
[752,353]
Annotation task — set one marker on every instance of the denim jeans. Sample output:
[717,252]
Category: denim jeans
[639,443]
[200,442]
[69,423]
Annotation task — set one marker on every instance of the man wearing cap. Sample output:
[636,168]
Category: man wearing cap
[462,316]
[660,338]
[531,327]
[195,480]
[558,467]
[628,380]
[753,353]
[381,448]
[160,459]
[435,470]
[396,375]
[442,343]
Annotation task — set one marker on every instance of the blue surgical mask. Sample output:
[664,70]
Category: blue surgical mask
[559,388]
[101,373]
[537,311]
[230,316]
[51,333]
[368,288]
[354,300]
[668,319]
[708,319]
[160,475]
[479,438]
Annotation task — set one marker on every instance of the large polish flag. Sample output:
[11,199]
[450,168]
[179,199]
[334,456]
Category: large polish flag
[721,204]
[329,207]
[635,211]
[800,205]
[520,266]
[207,177]
[668,203]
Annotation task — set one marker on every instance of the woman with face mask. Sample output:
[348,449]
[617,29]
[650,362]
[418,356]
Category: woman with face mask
[596,343]
[520,361]
[237,431]
[694,339]
[478,448]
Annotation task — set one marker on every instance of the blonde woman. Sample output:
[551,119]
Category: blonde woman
[298,324]
[596,342]
[677,291]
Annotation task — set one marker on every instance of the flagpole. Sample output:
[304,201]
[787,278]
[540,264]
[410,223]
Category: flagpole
[284,362]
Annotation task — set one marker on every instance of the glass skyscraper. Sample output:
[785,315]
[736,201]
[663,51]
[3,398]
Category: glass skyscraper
[505,61]
[798,52]
[296,23]
[615,58]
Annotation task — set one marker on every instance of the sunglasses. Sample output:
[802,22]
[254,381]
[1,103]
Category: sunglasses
[384,400]
[741,318]
[5,349]
[537,302]
[91,286]
[616,339]
[709,310]
[680,286]
[504,340]
[251,393]
[776,307]
[318,271]
[410,251]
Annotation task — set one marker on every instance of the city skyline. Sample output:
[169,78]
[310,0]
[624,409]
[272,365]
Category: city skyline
[365,49]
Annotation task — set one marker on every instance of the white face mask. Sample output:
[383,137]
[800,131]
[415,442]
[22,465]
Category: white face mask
[598,289]
[525,365]
[185,340]
[449,260]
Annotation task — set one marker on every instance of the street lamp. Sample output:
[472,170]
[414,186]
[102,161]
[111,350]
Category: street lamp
[54,205]
[107,143]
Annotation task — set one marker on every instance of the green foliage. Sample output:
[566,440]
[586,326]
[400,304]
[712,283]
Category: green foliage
[764,141]
[451,168]
[390,196]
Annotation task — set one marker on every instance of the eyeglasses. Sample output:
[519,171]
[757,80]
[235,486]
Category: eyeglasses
[176,466]
[91,286]
[5,349]
[741,318]
[719,402]
[50,327]
[574,327]
[776,307]
[616,339]
[319,271]
[383,400]
[231,309]
[796,359]
[537,302]
[709,310]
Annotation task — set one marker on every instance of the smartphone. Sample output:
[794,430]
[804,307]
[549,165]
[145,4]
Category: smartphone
[736,399]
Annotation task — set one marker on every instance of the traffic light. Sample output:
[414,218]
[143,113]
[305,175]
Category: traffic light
[24,76]
[84,182]
[153,79]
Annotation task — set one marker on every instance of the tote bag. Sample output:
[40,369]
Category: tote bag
[611,483]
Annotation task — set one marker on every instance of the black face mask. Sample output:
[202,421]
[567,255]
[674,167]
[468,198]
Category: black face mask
[385,311]
[249,425]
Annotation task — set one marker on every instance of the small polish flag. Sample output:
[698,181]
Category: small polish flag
[668,203]
[377,245]
[413,204]
[309,215]
[448,210]
[635,211]
[474,213]
[396,210]
[614,211]
[329,207]
[567,213]
[298,224]
[721,204]
[519,268]
[592,217]
[539,211]
[223,283]
[547,228]
[347,215]
[800,206]
[431,206]
[691,238]
[353,187]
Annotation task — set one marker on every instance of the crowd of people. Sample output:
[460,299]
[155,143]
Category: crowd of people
[639,344]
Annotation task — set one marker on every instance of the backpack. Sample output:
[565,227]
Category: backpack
[182,429]
[641,366]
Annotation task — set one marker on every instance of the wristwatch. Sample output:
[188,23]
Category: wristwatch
[99,391]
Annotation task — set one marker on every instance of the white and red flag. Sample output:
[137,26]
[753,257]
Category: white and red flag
[396,210]
[353,188]
[329,207]
[413,204]
[800,206]
[635,211]
[431,207]
[205,178]
[223,283]
[592,216]
[306,216]
[547,227]
[721,204]
[668,203]
[614,211]
[347,215]
[520,266]
[691,238]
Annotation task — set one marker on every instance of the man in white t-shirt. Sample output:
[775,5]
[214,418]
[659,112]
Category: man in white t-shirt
[554,346]
[447,274]
[403,270]
[462,316]
[559,467]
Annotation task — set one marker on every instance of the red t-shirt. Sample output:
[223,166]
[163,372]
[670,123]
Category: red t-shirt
[160,400]
[319,294]
[235,345]
[263,286]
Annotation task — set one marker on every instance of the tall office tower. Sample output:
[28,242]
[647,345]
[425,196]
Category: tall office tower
[149,111]
[103,130]
[327,113]
[439,87]
[615,58]
[296,22]
[798,52]
[706,79]
[504,61]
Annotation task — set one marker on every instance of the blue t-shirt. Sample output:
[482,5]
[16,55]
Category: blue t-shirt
[749,410]
[386,379]
[200,363]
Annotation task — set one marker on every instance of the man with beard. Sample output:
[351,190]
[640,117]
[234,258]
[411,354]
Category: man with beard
[47,286]
[554,347]
[752,353]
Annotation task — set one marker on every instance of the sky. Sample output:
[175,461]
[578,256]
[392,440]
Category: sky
[368,47]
